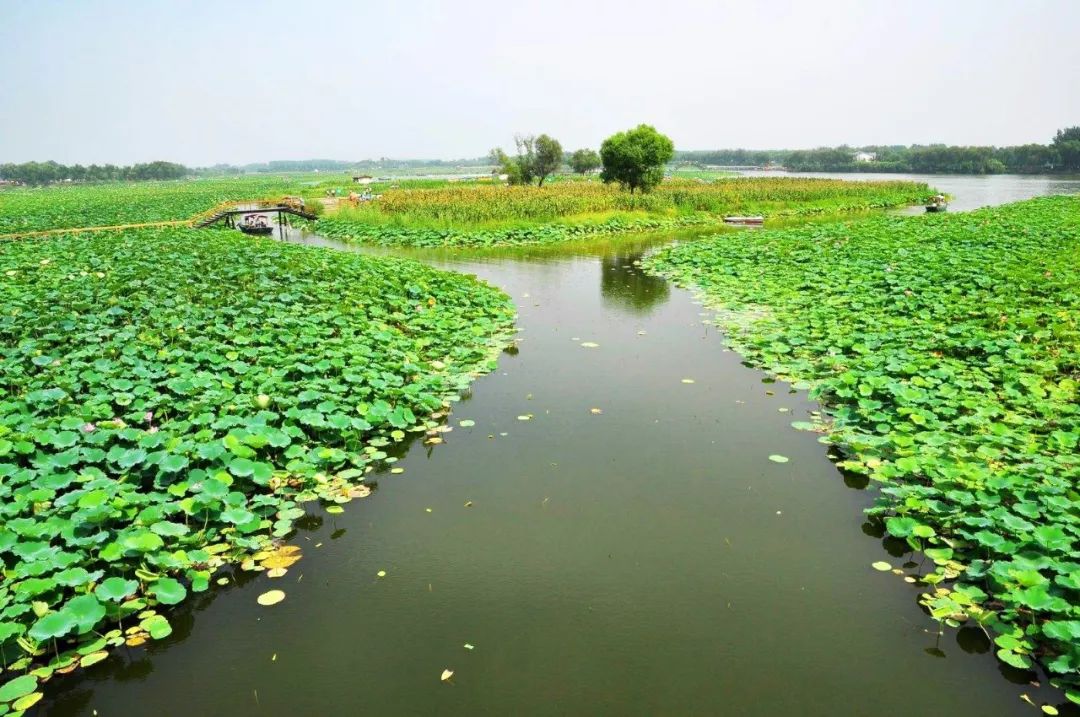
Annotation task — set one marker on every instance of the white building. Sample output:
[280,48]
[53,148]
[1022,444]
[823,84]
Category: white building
[865,156]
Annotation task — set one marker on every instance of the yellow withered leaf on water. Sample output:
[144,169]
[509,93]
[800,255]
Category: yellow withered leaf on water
[271,597]
[281,558]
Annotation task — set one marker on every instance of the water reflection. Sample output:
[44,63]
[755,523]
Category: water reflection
[973,640]
[625,286]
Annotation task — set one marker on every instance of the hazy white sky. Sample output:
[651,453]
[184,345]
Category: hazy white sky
[201,82]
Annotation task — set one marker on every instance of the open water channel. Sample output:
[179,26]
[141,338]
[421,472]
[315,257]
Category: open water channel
[646,559]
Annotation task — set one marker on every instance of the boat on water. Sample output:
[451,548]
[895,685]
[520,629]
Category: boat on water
[256,224]
[745,221]
[937,204]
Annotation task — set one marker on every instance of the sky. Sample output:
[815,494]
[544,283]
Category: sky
[237,81]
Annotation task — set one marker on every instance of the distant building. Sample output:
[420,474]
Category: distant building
[364,179]
[865,157]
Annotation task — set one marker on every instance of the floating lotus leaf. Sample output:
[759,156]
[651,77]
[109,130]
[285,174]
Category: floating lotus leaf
[271,597]
[157,627]
[27,701]
[281,558]
[18,687]
[93,658]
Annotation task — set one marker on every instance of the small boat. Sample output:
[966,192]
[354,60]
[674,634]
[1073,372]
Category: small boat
[746,221]
[256,224]
[937,204]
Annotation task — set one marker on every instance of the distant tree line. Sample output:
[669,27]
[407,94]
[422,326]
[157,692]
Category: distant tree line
[37,173]
[1060,155]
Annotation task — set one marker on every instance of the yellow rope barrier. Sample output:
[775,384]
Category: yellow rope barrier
[80,230]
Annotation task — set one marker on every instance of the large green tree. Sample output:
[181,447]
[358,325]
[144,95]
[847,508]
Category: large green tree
[584,161]
[636,158]
[1067,144]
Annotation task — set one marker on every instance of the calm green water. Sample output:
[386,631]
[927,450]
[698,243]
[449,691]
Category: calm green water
[649,560]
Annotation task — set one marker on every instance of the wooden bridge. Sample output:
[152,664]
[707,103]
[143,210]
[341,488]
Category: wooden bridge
[228,214]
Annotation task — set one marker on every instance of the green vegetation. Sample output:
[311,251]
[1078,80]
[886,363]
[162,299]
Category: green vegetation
[489,215]
[71,206]
[635,158]
[1061,155]
[465,213]
[947,350]
[341,226]
[172,398]
[692,172]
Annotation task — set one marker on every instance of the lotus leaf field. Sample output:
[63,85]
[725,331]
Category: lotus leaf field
[947,349]
[26,209]
[171,400]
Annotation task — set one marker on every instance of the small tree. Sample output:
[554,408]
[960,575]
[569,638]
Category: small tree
[547,157]
[537,158]
[636,158]
[584,161]
[525,159]
[516,168]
